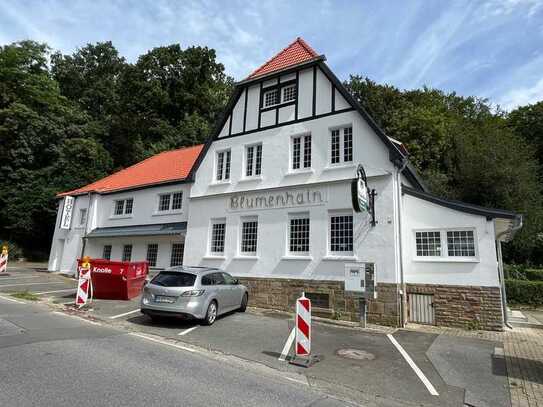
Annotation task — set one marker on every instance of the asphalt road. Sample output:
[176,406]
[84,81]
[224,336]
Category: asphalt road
[53,359]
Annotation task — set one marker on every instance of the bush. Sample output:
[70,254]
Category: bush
[522,272]
[534,274]
[524,292]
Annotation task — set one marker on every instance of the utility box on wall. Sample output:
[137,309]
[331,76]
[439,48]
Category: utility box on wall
[360,278]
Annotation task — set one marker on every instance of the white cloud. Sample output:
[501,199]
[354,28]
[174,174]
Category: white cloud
[522,96]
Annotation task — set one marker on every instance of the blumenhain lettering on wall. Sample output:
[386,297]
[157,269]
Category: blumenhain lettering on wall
[273,200]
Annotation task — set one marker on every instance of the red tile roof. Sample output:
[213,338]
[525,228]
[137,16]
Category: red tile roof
[296,53]
[172,165]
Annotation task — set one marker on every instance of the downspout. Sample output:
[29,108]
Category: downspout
[84,238]
[500,270]
[400,294]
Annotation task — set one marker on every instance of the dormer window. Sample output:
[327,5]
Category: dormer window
[289,93]
[271,98]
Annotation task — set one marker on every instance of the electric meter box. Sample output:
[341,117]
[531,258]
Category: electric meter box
[360,278]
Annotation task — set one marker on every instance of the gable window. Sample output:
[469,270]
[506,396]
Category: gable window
[218,232]
[249,236]
[152,254]
[106,253]
[288,93]
[271,98]
[445,243]
[299,234]
[82,217]
[127,252]
[170,202]
[223,165]
[123,207]
[341,233]
[176,258]
[341,145]
[301,152]
[253,160]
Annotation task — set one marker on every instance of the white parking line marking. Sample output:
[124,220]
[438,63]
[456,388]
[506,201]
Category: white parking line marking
[12,300]
[15,285]
[57,291]
[164,342]
[415,368]
[18,278]
[186,331]
[288,344]
[124,314]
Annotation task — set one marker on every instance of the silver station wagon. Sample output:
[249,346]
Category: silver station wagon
[193,292]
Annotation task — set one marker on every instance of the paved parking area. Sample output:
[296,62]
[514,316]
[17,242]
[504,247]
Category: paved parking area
[362,365]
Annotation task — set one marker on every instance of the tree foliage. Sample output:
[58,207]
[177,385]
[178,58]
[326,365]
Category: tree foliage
[465,150]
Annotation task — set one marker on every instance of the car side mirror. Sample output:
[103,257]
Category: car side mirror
[235,282]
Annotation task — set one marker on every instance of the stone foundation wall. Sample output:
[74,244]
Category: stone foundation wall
[455,306]
[464,306]
[281,294]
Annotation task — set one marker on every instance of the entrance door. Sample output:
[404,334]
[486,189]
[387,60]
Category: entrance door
[421,308]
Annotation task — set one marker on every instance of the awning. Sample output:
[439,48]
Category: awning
[164,229]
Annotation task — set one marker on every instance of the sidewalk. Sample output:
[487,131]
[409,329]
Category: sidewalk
[523,348]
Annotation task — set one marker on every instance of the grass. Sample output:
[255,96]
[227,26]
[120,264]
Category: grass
[26,295]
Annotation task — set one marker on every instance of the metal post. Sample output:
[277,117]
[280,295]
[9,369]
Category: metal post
[363,311]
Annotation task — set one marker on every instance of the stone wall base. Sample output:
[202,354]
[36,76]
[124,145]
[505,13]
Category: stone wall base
[466,307]
[455,306]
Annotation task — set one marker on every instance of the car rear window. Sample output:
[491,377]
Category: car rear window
[174,279]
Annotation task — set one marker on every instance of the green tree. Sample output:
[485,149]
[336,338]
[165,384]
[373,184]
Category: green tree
[527,122]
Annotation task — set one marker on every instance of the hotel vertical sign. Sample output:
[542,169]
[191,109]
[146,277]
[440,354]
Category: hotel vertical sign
[67,211]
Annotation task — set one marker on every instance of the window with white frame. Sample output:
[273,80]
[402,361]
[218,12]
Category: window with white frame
[82,216]
[123,207]
[249,236]
[301,152]
[341,145]
[253,160]
[152,254]
[223,165]
[428,243]
[170,202]
[127,252]
[298,239]
[445,243]
[218,232]
[288,93]
[106,253]
[460,243]
[176,258]
[271,97]
[341,233]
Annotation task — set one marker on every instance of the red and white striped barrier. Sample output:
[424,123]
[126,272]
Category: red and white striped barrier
[303,326]
[4,260]
[83,284]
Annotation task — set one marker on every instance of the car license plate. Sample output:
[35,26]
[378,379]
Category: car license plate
[165,299]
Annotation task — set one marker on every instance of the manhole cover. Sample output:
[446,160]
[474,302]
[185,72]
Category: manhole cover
[355,354]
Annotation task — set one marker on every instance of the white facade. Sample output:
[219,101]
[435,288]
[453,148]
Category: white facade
[67,244]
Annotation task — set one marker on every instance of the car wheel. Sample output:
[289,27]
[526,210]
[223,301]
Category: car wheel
[244,302]
[211,314]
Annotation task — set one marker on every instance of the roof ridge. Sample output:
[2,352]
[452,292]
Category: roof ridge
[298,40]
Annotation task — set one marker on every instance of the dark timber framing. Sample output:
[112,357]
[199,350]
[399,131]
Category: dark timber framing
[245,109]
[395,154]
[297,95]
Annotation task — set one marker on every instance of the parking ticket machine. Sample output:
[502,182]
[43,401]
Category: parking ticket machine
[360,278]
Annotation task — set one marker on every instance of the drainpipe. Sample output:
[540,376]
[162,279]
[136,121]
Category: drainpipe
[400,295]
[84,238]
[500,269]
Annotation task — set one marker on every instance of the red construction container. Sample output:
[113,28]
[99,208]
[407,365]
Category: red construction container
[117,280]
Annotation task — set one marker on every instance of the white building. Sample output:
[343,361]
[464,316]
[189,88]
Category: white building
[139,213]
[271,203]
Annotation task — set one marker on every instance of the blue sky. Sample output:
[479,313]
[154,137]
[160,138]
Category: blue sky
[487,48]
